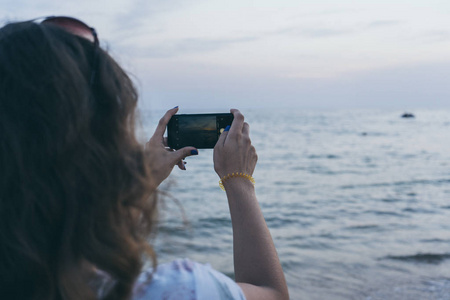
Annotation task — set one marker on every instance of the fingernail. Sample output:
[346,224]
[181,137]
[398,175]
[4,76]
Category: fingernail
[194,152]
[227,128]
[175,107]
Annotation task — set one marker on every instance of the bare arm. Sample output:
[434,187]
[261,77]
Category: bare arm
[257,268]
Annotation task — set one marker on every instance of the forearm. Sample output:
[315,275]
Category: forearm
[255,258]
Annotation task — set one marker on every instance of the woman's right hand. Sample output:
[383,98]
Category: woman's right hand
[161,159]
[234,151]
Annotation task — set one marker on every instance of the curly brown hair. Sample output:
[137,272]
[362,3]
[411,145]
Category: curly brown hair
[75,194]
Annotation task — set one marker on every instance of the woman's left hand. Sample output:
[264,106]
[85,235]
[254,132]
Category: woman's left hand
[161,158]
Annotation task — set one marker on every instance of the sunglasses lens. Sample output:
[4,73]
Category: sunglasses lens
[73,26]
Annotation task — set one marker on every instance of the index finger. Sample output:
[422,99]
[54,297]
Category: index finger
[238,122]
[159,131]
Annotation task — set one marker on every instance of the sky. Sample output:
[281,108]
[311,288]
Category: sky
[210,55]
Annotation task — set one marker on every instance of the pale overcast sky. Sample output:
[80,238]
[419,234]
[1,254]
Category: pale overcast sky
[210,54]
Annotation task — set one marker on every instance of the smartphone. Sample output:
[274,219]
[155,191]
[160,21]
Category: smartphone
[198,130]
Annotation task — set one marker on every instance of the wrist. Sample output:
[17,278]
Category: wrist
[238,175]
[238,183]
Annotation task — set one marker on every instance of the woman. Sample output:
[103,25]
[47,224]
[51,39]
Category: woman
[77,191]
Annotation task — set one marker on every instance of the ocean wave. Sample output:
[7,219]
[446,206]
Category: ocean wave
[398,183]
[426,258]
[364,227]
[327,156]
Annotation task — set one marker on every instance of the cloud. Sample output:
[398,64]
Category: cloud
[188,46]
[141,12]
[324,13]
[311,32]
[427,37]
[437,36]
[323,32]
[383,23]
[401,87]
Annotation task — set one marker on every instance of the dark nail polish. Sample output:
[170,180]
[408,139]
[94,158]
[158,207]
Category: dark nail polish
[227,128]
[194,152]
[175,107]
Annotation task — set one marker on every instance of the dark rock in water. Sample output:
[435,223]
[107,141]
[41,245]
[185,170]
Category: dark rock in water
[407,115]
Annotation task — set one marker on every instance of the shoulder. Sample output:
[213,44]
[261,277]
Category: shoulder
[184,279]
[173,280]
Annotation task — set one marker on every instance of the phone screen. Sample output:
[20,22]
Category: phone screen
[197,130]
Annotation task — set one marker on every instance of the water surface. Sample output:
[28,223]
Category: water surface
[357,202]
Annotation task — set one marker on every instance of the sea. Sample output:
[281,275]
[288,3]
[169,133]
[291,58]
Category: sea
[357,202]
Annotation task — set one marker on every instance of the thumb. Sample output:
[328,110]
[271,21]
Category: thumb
[183,153]
[223,136]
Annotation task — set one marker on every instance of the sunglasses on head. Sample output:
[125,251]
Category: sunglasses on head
[78,28]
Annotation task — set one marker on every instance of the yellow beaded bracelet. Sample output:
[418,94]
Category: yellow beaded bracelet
[243,175]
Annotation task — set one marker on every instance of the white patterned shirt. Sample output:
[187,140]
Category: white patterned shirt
[184,279]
